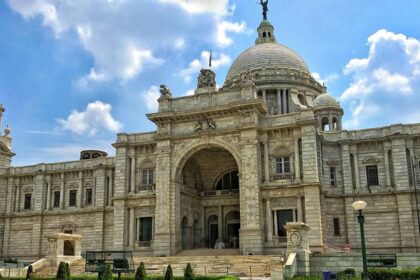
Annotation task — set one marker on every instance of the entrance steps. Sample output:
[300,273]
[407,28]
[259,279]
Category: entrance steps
[217,264]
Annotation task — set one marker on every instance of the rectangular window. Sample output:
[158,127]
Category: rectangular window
[146,225]
[28,200]
[372,175]
[72,198]
[282,165]
[148,177]
[336,226]
[89,196]
[283,217]
[56,199]
[333,182]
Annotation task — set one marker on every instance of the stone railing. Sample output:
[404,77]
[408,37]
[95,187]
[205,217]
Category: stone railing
[282,177]
[220,192]
[141,188]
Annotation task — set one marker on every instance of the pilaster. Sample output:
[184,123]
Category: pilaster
[399,159]
[251,235]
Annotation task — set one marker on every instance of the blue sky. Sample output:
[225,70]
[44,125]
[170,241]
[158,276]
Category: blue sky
[73,73]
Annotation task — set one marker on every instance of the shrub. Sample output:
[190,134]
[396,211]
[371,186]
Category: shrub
[29,272]
[188,273]
[168,274]
[68,271]
[393,274]
[140,272]
[61,272]
[107,274]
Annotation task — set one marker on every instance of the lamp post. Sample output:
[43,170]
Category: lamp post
[359,206]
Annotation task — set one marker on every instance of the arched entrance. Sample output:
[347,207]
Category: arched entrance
[232,226]
[209,180]
[186,234]
[213,231]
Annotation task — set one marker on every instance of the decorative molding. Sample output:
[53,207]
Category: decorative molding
[333,162]
[371,160]
[204,124]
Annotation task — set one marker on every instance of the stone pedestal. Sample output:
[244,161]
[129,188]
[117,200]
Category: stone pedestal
[56,250]
[298,242]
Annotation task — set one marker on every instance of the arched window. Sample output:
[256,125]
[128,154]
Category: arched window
[269,34]
[229,181]
[334,124]
[325,124]
[264,34]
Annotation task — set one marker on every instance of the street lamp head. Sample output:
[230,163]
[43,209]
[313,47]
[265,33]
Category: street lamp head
[359,205]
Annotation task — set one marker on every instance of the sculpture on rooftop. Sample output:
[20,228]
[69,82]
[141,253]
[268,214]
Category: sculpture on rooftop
[165,91]
[264,5]
[207,78]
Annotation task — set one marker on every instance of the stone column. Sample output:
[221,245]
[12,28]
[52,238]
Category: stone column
[297,160]
[356,171]
[62,192]
[203,227]
[279,105]
[109,183]
[276,226]
[266,159]
[405,221]
[120,209]
[48,203]
[80,196]
[132,227]
[387,173]
[251,233]
[299,209]
[18,198]
[269,220]
[167,227]
[399,158]
[346,164]
[284,101]
[313,216]
[133,173]
[264,96]
[220,222]
[330,124]
[309,154]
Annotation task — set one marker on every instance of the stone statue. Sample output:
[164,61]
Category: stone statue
[207,78]
[165,91]
[211,124]
[264,5]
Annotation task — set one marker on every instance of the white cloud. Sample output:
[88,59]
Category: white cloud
[384,84]
[218,60]
[325,80]
[124,37]
[218,7]
[190,92]
[224,27]
[96,117]
[151,97]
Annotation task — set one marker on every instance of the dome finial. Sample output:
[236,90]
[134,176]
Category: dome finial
[264,5]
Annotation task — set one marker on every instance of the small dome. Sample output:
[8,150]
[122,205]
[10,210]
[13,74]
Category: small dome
[326,100]
[266,55]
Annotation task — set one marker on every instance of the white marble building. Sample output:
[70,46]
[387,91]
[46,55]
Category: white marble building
[232,164]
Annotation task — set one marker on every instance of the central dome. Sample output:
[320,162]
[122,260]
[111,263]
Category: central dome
[266,55]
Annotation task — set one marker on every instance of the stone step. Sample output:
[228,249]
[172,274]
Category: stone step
[243,266]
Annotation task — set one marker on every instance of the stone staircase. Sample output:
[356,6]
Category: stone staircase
[203,262]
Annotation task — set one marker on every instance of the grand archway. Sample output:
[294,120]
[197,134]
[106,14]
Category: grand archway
[209,181]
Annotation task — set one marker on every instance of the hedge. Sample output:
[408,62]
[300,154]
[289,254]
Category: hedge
[131,277]
[394,274]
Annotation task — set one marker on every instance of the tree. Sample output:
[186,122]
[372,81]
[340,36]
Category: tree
[29,272]
[61,272]
[140,272]
[168,274]
[188,273]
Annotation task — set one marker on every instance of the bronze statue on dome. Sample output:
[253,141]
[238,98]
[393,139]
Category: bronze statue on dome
[264,5]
